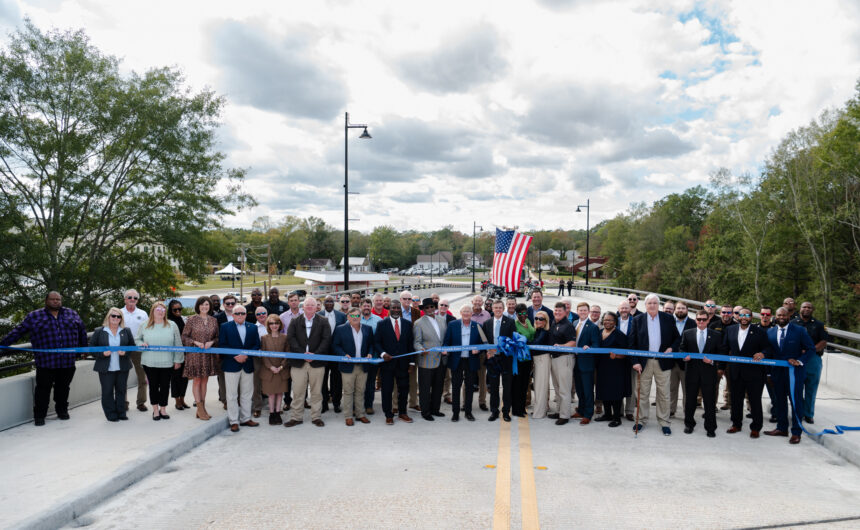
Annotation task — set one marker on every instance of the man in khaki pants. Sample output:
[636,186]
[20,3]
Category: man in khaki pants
[310,334]
[353,339]
[134,317]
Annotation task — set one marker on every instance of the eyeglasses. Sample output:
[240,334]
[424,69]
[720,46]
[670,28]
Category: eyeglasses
[344,301]
[710,305]
[235,314]
[131,298]
[726,312]
[353,316]
[701,319]
[736,312]
[766,314]
[261,314]
[405,298]
[177,309]
[274,324]
[116,316]
[744,315]
[159,310]
[523,313]
[443,305]
[229,304]
[542,319]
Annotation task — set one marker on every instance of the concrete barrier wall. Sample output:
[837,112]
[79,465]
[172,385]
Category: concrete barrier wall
[841,372]
[16,394]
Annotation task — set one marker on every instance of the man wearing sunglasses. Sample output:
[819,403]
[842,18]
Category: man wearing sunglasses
[134,317]
[722,324]
[239,369]
[766,322]
[711,308]
[223,317]
[701,374]
[744,340]
[633,300]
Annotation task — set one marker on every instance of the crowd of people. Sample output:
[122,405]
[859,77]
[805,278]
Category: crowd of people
[586,387]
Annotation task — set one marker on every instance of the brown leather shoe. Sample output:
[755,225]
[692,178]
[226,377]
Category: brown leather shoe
[257,413]
[389,421]
[733,429]
[753,434]
[349,422]
[448,401]
[404,417]
[363,420]
[234,428]
[368,411]
[249,423]
[795,439]
[318,423]
[776,432]
[141,407]
[584,421]
[416,407]
[292,423]
[395,411]
[576,416]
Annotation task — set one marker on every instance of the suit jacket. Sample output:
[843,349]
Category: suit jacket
[589,336]
[755,342]
[318,342]
[386,342]
[339,318]
[713,344]
[221,318]
[100,338]
[531,312]
[342,343]
[454,337]
[797,344]
[499,363]
[424,337]
[228,337]
[669,337]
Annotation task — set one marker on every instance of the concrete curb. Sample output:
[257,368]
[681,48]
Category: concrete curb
[838,444]
[88,498]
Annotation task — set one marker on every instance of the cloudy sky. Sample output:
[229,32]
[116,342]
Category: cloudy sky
[503,112]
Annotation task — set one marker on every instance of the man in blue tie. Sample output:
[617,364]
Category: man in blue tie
[701,374]
[788,342]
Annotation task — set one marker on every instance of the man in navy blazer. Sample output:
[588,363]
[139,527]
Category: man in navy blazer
[788,342]
[654,330]
[353,339]
[239,369]
[332,387]
[588,336]
[748,380]
[394,337]
[464,365]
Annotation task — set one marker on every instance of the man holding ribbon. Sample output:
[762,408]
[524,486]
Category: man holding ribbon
[428,332]
[499,367]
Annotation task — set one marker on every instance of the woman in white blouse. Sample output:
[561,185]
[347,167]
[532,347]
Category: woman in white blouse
[113,366]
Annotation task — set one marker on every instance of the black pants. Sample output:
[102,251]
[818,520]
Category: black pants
[178,384]
[613,409]
[159,384]
[113,385]
[430,381]
[390,376]
[747,380]
[493,380]
[701,376]
[459,376]
[520,387]
[60,379]
[332,386]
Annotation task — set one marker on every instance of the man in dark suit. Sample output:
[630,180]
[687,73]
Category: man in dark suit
[683,322]
[223,317]
[722,322]
[309,333]
[587,336]
[353,339]
[239,369]
[394,337]
[701,374]
[788,342]
[464,365]
[537,306]
[331,376]
[499,367]
[654,330]
[748,380]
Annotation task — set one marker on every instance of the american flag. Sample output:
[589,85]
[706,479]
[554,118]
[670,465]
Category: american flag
[511,250]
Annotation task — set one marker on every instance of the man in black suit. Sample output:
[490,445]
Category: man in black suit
[722,322]
[394,337]
[499,367]
[683,322]
[701,373]
[309,333]
[332,389]
[745,340]
[654,330]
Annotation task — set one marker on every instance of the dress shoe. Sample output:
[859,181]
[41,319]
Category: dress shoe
[638,427]
[363,420]
[428,417]
[671,414]
[630,417]
[753,434]
[483,407]
[395,411]
[249,423]
[292,423]
[416,408]
[38,422]
[598,410]
[318,423]
[156,417]
[795,439]
[163,416]
[142,407]
[577,415]
[506,416]
[272,418]
[667,431]
[455,417]
[307,405]
[584,421]
[493,417]
[257,413]
[368,411]
[561,421]
[448,400]
[552,415]
[712,434]
[614,423]
[123,418]
[113,419]
[405,418]
[337,409]
[725,406]
[324,409]
[808,420]
[603,418]
[439,414]
[469,416]
[688,430]
[749,415]
[733,429]
[775,432]
[234,427]
[350,422]
[389,421]
[63,415]
[654,404]
[772,419]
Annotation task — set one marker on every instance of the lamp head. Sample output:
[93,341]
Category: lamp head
[365,135]
[578,210]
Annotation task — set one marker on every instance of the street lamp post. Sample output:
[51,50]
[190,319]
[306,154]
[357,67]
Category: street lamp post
[364,135]
[474,246]
[587,207]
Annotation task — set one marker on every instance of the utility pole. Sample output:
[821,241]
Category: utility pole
[242,277]
[269,264]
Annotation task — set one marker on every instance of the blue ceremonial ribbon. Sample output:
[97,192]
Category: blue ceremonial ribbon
[839,429]
[515,347]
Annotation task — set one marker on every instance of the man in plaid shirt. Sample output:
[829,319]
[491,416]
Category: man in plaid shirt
[54,326]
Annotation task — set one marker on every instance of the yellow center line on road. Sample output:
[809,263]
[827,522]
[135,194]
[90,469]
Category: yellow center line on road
[502,509]
[527,477]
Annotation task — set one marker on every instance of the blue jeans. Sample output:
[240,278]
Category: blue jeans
[810,385]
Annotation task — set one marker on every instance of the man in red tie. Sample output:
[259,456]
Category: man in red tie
[393,337]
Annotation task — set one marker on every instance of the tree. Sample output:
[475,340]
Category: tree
[96,168]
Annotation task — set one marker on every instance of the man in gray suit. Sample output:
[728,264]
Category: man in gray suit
[428,332]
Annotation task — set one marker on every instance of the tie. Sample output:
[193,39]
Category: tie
[578,329]
[701,341]
[781,336]
[496,329]
[397,328]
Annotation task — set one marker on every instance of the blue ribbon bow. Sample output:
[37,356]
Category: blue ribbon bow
[516,348]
